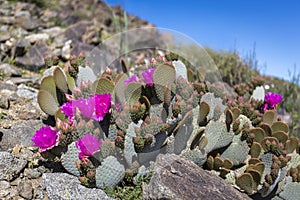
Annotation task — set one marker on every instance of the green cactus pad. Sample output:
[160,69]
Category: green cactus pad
[269,117]
[255,150]
[237,152]
[246,182]
[71,82]
[291,191]
[133,92]
[104,86]
[267,159]
[203,112]
[291,144]
[164,75]
[69,159]
[217,135]
[281,136]
[48,84]
[47,102]
[280,126]
[109,173]
[60,79]
[180,69]
[218,162]
[229,119]
[120,88]
[270,139]
[129,150]
[213,103]
[236,113]
[190,75]
[227,163]
[196,139]
[259,134]
[210,162]
[196,155]
[267,128]
[203,142]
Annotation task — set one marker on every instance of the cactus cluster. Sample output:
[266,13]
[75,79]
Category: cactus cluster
[167,108]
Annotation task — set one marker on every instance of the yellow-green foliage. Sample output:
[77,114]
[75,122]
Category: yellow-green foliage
[231,67]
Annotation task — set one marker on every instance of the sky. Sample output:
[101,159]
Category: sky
[272,26]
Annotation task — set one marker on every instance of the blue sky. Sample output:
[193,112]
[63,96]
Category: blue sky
[273,25]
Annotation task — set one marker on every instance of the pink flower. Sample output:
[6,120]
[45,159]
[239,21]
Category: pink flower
[67,109]
[88,145]
[91,108]
[148,76]
[46,138]
[271,100]
[102,104]
[133,78]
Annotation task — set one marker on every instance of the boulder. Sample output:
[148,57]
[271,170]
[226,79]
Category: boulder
[175,177]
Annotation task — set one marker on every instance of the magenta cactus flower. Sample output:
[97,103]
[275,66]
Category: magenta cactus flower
[67,109]
[133,78]
[91,108]
[271,100]
[102,104]
[88,145]
[148,76]
[46,138]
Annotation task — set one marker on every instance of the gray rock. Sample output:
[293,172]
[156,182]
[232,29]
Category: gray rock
[7,20]
[32,173]
[32,81]
[76,31]
[80,47]
[4,185]
[20,47]
[66,186]
[10,166]
[4,36]
[19,134]
[4,102]
[34,58]
[33,38]
[26,92]
[10,70]
[175,177]
[25,190]
[7,86]
[23,18]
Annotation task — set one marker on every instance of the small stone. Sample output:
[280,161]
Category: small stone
[4,36]
[7,20]
[32,173]
[10,70]
[26,92]
[25,190]
[4,102]
[4,185]
[37,37]
[4,193]
[10,166]
[20,47]
[26,115]
[23,18]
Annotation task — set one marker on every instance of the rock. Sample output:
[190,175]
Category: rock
[80,47]
[19,134]
[175,177]
[4,102]
[10,166]
[26,92]
[7,20]
[23,18]
[37,37]
[4,185]
[66,186]
[34,58]
[10,70]
[21,45]
[7,86]
[33,81]
[54,31]
[32,173]
[25,190]
[66,50]
[4,36]
[76,31]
